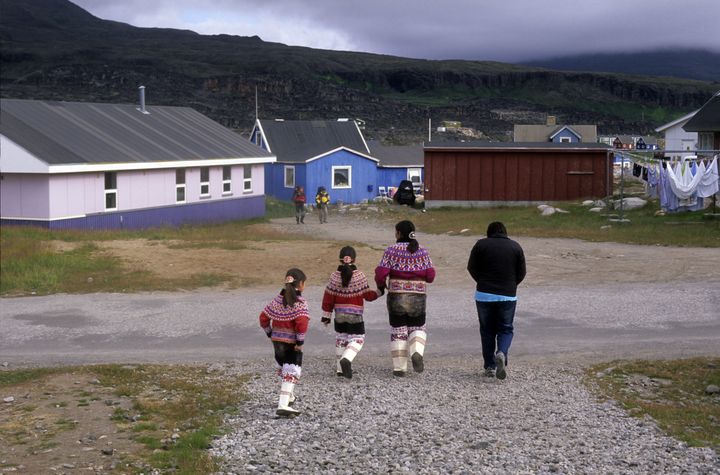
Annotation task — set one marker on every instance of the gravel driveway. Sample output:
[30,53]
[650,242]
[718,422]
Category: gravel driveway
[582,303]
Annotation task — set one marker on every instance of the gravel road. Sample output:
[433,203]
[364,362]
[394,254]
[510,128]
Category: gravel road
[582,303]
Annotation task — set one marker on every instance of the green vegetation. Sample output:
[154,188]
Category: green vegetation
[671,392]
[682,229]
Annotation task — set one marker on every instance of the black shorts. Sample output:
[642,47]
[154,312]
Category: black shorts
[285,353]
[349,323]
[406,310]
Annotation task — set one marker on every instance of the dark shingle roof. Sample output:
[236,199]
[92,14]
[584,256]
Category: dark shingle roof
[542,133]
[397,155]
[515,145]
[707,119]
[93,133]
[300,140]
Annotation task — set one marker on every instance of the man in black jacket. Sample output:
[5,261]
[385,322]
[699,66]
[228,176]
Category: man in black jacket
[497,264]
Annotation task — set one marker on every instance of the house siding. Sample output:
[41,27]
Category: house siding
[275,180]
[206,212]
[24,196]
[364,174]
[566,133]
[388,177]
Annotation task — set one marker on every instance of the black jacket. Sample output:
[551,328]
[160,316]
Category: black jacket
[497,264]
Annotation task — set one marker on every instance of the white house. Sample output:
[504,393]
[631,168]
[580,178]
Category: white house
[676,138]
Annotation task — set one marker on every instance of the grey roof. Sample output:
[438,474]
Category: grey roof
[516,145]
[707,119]
[625,139]
[397,155]
[300,140]
[542,132]
[93,133]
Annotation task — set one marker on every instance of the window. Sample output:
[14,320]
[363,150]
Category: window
[204,181]
[289,176]
[414,175]
[110,191]
[342,177]
[227,180]
[180,185]
[247,179]
[565,140]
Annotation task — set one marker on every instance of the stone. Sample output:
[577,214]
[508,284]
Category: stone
[558,210]
[549,211]
[630,203]
[607,226]
[94,381]
[463,231]
[8,399]
[5,364]
[588,203]
[600,204]
[712,389]
[542,207]
[595,210]
[107,451]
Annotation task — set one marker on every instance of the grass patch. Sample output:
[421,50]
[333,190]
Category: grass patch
[671,392]
[176,410]
[687,229]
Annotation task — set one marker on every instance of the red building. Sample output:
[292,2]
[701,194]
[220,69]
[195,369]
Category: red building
[487,174]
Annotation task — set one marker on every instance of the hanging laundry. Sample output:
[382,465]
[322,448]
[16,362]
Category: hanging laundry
[637,170]
[710,182]
[668,200]
[682,181]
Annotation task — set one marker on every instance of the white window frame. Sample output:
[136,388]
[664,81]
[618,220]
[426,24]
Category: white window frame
[110,191]
[565,140]
[247,179]
[332,177]
[227,182]
[285,176]
[414,171]
[205,183]
[179,186]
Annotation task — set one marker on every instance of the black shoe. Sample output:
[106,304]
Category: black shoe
[417,362]
[500,372]
[399,374]
[297,221]
[346,368]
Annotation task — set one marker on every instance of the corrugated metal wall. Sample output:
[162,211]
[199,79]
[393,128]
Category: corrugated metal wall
[516,175]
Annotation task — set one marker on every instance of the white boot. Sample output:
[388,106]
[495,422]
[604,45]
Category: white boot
[353,348]
[416,349]
[286,392]
[339,350]
[399,356]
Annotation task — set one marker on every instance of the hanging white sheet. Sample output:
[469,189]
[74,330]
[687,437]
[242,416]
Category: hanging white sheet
[710,182]
[684,185]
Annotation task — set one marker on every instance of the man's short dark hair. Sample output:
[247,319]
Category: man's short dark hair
[496,227]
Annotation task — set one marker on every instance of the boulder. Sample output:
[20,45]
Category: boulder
[548,211]
[588,203]
[543,207]
[595,210]
[630,203]
[558,210]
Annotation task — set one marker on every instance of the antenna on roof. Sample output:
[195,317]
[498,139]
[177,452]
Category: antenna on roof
[142,100]
[256,103]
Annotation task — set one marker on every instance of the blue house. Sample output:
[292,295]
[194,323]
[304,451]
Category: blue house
[398,163]
[552,132]
[314,153]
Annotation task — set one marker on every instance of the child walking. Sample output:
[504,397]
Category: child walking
[322,199]
[345,294]
[285,321]
[298,199]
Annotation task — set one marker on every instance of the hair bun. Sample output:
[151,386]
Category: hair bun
[289,279]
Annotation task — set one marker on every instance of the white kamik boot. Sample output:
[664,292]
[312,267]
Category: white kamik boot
[286,393]
[353,348]
[416,349]
[399,357]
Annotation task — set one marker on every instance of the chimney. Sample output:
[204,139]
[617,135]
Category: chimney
[551,120]
[142,100]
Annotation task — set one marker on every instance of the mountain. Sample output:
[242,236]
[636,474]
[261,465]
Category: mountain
[53,49]
[681,63]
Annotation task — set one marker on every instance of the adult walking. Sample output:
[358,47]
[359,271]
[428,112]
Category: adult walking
[405,270]
[497,264]
[298,198]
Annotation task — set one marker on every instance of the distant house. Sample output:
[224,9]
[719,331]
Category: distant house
[314,153]
[626,142]
[676,138]
[397,163]
[97,166]
[706,122]
[551,132]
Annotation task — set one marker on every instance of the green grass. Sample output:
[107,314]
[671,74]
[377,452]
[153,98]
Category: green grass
[165,398]
[694,229]
[671,392]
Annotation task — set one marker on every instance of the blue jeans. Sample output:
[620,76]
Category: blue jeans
[496,328]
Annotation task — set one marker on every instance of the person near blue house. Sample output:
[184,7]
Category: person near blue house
[322,200]
[298,199]
[497,264]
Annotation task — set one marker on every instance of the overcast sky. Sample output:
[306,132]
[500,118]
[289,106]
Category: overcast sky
[501,30]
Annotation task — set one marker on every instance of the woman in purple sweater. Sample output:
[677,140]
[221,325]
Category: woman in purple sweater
[405,270]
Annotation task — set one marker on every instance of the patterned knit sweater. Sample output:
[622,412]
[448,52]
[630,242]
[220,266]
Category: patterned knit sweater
[348,299]
[407,272]
[286,324]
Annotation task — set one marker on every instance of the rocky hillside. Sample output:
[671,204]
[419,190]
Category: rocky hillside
[52,49]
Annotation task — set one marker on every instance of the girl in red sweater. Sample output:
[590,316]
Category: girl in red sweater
[285,321]
[345,294]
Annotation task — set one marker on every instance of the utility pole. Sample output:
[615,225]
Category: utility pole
[256,103]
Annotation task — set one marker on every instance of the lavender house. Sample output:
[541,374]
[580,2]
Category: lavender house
[99,166]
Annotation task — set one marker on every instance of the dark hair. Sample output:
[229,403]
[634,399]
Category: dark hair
[406,229]
[496,227]
[346,270]
[290,293]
